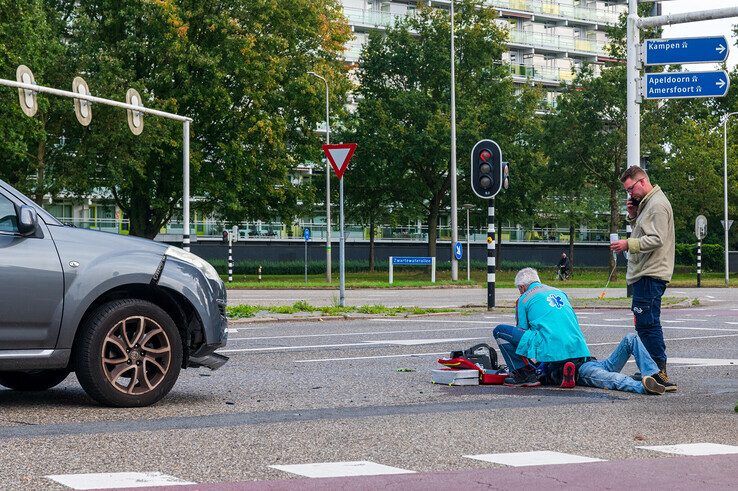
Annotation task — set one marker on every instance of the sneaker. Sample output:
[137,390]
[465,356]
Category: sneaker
[652,386]
[637,376]
[522,378]
[569,373]
[663,379]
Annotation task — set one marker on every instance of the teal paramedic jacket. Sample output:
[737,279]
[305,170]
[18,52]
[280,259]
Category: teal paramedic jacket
[552,330]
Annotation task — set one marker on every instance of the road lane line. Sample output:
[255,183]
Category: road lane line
[405,355]
[371,333]
[398,342]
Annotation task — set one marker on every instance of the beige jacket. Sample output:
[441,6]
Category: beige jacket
[651,244]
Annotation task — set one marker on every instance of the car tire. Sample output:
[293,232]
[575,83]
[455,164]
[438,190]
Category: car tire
[33,380]
[128,354]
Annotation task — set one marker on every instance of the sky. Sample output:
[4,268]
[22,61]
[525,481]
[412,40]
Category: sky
[705,28]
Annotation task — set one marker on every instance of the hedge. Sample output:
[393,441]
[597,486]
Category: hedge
[713,256]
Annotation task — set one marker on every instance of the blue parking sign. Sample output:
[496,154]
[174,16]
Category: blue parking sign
[458,251]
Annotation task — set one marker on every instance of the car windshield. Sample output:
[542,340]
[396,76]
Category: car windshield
[45,215]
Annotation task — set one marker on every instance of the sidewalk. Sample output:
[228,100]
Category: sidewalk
[451,297]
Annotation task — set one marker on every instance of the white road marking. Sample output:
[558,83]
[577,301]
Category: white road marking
[695,449]
[663,320]
[416,342]
[399,342]
[116,480]
[406,355]
[430,321]
[709,296]
[704,362]
[541,457]
[341,469]
[371,333]
[691,320]
[732,323]
[667,328]
[403,355]
[630,319]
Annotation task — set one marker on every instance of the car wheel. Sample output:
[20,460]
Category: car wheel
[129,354]
[31,380]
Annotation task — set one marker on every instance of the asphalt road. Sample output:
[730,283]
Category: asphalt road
[312,392]
[449,297]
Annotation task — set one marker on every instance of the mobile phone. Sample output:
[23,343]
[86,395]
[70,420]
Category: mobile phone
[634,202]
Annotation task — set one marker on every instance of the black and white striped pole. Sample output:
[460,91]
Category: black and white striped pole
[228,234]
[699,264]
[491,254]
[489,174]
[700,231]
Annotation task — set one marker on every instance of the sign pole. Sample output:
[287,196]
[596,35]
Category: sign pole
[306,261]
[699,263]
[230,257]
[342,279]
[491,254]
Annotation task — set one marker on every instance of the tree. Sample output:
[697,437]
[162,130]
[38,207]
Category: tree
[404,75]
[27,145]
[238,68]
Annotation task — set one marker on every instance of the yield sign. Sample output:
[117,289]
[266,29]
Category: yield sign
[339,156]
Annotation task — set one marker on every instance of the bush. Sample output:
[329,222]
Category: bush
[713,256]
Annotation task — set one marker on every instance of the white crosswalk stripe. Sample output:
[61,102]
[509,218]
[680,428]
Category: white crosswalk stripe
[695,449]
[341,469]
[541,457]
[117,480]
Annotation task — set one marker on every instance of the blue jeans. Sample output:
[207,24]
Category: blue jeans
[606,374]
[647,293]
[508,338]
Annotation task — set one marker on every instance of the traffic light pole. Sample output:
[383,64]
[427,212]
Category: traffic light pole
[491,254]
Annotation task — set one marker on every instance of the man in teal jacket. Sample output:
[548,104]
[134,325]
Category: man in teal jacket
[547,331]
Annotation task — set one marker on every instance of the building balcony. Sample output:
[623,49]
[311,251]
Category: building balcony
[542,75]
[370,19]
[548,10]
[551,43]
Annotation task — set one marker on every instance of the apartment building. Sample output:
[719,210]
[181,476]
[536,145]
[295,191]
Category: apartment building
[548,41]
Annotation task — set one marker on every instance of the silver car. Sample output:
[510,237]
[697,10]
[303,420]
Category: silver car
[125,314]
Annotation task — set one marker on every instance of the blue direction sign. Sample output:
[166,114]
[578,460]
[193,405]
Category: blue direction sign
[686,50]
[412,260]
[306,234]
[458,251]
[684,85]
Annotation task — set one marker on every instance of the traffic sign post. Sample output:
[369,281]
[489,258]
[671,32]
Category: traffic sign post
[306,235]
[411,261]
[339,156]
[677,51]
[700,230]
[671,85]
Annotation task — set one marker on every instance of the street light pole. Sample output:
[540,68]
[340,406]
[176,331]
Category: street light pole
[725,194]
[454,208]
[468,207]
[327,181]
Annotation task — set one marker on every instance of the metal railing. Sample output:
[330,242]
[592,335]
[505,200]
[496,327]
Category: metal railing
[548,74]
[557,9]
[556,42]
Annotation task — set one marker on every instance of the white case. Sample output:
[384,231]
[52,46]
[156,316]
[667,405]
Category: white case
[455,377]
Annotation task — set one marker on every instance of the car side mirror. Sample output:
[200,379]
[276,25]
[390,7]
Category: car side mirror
[27,220]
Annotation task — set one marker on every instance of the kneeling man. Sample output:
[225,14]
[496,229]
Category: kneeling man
[547,331]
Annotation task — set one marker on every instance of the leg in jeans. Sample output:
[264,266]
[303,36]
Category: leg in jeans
[606,374]
[647,293]
[507,338]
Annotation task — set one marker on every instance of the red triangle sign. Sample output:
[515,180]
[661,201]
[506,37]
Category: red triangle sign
[339,155]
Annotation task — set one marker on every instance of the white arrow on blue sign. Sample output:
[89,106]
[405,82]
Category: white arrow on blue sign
[458,251]
[712,49]
[306,234]
[686,85]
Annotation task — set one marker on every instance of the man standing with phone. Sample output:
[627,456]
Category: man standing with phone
[650,261]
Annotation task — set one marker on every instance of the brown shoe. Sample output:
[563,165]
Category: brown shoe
[652,386]
[663,379]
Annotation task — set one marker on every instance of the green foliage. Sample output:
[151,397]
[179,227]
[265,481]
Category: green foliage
[238,68]
[244,311]
[402,122]
[713,256]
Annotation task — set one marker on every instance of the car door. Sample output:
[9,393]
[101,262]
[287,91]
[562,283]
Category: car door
[31,284]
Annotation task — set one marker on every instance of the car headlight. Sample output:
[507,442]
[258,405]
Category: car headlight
[194,260]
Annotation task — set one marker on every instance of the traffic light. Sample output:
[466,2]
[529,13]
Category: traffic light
[487,169]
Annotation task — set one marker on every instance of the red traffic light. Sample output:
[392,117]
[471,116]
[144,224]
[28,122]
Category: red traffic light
[485,155]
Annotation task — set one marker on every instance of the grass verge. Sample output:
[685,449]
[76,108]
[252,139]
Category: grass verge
[245,311]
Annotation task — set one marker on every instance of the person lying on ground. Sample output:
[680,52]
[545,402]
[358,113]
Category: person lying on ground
[546,330]
[606,374]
